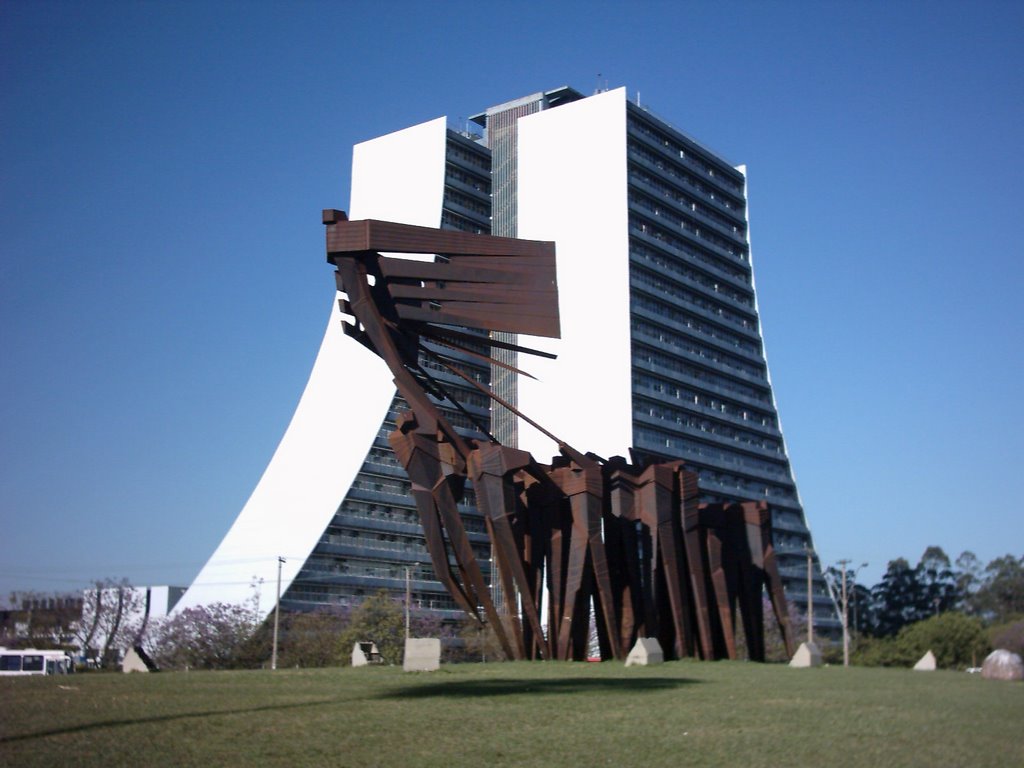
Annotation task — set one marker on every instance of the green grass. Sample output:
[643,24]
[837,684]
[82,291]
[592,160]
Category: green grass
[543,714]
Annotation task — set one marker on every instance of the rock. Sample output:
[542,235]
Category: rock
[926,663]
[1002,665]
[807,655]
[422,654]
[647,651]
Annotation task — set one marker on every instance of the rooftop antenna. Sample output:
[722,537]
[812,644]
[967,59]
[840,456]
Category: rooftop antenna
[598,88]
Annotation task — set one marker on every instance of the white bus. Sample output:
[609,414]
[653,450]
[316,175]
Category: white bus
[31,661]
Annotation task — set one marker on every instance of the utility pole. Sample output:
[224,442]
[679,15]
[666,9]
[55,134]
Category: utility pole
[277,614]
[810,595]
[846,618]
[408,596]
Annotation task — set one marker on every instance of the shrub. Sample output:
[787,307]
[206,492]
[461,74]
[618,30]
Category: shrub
[958,641]
[1009,636]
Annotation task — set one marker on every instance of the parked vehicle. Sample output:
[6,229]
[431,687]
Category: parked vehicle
[31,661]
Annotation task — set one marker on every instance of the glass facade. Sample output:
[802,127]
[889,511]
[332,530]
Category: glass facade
[700,383]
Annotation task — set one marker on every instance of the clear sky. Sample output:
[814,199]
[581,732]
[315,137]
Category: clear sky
[163,288]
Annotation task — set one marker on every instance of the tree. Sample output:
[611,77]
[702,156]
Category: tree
[478,641]
[896,598]
[313,639]
[1001,594]
[862,611]
[968,580]
[203,637]
[380,619]
[1009,636]
[877,652]
[938,589]
[112,617]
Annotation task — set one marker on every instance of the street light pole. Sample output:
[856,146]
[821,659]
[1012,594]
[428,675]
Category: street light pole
[846,618]
[277,614]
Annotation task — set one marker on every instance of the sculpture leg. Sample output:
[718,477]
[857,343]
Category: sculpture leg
[624,574]
[492,468]
[758,516]
[466,559]
[659,502]
[588,565]
[696,562]
[627,568]
[423,460]
[751,559]
[575,594]
[543,513]
[723,599]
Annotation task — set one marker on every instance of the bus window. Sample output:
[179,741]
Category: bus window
[10,663]
[32,664]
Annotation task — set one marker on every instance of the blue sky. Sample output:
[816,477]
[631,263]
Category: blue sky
[163,289]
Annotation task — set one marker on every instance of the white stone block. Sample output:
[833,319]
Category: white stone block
[133,662]
[807,655]
[926,663]
[422,654]
[647,651]
[364,654]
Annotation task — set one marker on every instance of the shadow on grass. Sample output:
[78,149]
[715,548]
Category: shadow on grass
[511,686]
[157,719]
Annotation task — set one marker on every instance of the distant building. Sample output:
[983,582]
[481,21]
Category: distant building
[110,619]
[661,353]
[41,621]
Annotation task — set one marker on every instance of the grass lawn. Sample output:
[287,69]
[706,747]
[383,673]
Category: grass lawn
[522,714]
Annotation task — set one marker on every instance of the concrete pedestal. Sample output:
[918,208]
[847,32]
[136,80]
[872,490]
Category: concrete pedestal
[807,655]
[422,654]
[926,663]
[647,651]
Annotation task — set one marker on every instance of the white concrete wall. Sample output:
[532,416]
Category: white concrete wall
[398,177]
[572,189]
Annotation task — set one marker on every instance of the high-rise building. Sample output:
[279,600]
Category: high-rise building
[661,352]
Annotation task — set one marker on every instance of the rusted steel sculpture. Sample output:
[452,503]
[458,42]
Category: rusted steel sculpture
[633,542]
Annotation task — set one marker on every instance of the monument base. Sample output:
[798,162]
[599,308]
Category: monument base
[647,651]
[422,654]
[807,655]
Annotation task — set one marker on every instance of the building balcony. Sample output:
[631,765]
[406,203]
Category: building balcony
[731,444]
[708,263]
[716,203]
[724,345]
[666,196]
[642,206]
[705,385]
[638,284]
[723,181]
[743,307]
